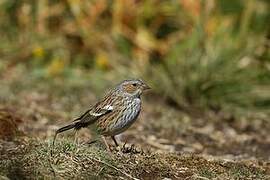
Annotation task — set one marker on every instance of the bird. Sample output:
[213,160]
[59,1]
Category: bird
[114,113]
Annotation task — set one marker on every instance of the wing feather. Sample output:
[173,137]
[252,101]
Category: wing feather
[91,116]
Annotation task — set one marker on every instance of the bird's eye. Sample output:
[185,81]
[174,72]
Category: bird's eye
[134,84]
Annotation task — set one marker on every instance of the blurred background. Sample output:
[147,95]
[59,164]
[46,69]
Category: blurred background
[207,61]
[194,53]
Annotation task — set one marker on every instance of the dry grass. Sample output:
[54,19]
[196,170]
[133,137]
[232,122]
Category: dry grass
[207,61]
[33,160]
[175,144]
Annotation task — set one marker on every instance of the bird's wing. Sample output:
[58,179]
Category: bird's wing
[93,114]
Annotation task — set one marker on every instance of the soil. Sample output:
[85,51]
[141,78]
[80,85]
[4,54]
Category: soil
[168,143]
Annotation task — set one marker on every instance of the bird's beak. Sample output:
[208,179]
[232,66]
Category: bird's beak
[146,87]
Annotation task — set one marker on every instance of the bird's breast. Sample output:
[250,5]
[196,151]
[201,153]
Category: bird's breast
[133,108]
[130,112]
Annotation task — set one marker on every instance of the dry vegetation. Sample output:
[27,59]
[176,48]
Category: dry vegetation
[207,116]
[168,142]
[92,162]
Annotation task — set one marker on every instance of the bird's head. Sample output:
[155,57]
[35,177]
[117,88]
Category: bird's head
[133,87]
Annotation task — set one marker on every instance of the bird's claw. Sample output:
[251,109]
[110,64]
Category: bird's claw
[130,149]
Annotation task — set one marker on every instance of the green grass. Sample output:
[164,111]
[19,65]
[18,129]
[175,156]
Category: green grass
[206,55]
[209,72]
[207,173]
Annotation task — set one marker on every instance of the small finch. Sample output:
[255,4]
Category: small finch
[114,113]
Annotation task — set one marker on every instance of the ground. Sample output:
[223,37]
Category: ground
[168,142]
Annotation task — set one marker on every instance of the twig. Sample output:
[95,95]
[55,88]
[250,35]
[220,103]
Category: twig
[115,168]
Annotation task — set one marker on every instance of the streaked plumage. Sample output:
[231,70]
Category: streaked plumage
[115,112]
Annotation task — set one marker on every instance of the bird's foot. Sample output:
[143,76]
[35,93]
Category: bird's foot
[130,148]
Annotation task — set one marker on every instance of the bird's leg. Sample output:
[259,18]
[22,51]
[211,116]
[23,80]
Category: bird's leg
[105,142]
[114,140]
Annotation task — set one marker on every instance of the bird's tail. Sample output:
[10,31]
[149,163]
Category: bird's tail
[65,128]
